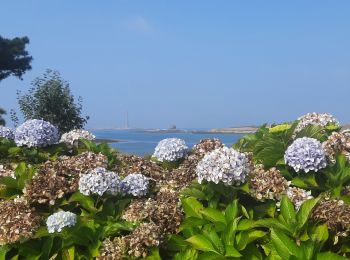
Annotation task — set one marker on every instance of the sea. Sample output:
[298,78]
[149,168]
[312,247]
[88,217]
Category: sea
[140,142]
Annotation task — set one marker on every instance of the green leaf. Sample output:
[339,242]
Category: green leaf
[284,245]
[287,210]
[213,215]
[9,182]
[85,201]
[305,211]
[245,224]
[215,239]
[192,207]
[14,150]
[251,252]
[329,256]
[193,192]
[231,251]
[202,243]
[192,222]
[320,234]
[230,231]
[154,255]
[246,237]
[231,211]
[189,254]
[46,248]
[3,251]
[273,223]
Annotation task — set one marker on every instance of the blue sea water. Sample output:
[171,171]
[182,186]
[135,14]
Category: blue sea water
[143,142]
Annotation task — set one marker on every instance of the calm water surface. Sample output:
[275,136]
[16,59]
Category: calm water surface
[142,143]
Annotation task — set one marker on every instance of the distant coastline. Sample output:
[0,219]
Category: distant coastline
[229,130]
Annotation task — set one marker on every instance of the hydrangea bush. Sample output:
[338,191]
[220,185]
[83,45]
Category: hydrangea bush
[6,132]
[224,165]
[269,193]
[306,154]
[170,149]
[36,133]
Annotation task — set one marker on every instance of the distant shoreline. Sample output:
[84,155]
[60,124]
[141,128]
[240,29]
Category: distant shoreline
[231,130]
[104,140]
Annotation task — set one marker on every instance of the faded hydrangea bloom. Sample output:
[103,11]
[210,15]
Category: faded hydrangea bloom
[135,184]
[73,136]
[170,149]
[18,221]
[267,184]
[6,132]
[306,154]
[319,119]
[335,213]
[57,221]
[337,143]
[36,133]
[144,237]
[225,165]
[98,181]
[298,196]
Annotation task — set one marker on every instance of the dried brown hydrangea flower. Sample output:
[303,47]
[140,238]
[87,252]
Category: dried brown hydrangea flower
[112,250]
[136,164]
[55,179]
[163,210]
[17,221]
[337,143]
[267,184]
[298,196]
[145,236]
[139,210]
[7,170]
[335,213]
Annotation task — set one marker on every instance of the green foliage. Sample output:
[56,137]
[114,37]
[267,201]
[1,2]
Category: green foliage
[50,99]
[14,59]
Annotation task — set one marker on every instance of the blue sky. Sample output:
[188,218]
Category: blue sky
[195,64]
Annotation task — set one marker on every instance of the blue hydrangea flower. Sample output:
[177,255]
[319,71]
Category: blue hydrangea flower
[170,149]
[98,181]
[306,154]
[223,165]
[57,221]
[36,133]
[6,132]
[135,184]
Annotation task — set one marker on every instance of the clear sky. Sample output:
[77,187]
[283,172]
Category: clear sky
[195,64]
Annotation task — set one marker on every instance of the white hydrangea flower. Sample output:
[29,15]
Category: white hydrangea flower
[73,136]
[36,133]
[7,133]
[98,181]
[135,184]
[298,196]
[306,154]
[319,119]
[170,149]
[57,221]
[223,164]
